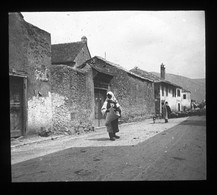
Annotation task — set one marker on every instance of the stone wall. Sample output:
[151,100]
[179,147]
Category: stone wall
[72,99]
[135,95]
[30,55]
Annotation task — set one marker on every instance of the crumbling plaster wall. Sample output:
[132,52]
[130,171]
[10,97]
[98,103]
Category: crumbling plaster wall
[30,55]
[72,99]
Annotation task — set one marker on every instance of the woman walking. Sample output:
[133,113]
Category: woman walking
[111,105]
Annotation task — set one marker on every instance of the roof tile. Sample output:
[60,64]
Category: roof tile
[149,75]
[65,52]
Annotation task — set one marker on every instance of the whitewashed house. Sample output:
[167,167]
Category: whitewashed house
[164,91]
[185,100]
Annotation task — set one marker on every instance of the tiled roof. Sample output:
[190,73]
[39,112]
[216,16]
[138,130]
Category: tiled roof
[65,52]
[111,63]
[185,90]
[122,68]
[102,70]
[168,82]
[149,75]
[145,74]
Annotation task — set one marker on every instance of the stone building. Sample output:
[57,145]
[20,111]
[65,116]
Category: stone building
[29,77]
[134,93]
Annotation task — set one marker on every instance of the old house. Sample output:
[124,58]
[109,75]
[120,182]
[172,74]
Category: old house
[71,54]
[134,93]
[29,77]
[164,91]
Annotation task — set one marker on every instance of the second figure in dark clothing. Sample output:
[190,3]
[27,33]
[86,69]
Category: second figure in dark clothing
[166,111]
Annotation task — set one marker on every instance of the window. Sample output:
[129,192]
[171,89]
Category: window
[166,91]
[184,96]
[162,90]
[178,93]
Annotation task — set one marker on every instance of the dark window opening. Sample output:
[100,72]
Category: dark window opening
[178,93]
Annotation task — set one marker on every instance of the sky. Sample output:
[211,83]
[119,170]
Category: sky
[145,39]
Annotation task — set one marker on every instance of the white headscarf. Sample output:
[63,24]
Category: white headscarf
[104,107]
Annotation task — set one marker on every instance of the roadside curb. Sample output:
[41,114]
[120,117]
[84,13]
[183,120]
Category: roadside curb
[39,140]
[43,139]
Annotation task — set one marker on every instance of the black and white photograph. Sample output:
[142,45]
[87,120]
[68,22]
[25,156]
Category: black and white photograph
[115,95]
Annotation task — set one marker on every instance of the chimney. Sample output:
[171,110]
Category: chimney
[84,39]
[162,71]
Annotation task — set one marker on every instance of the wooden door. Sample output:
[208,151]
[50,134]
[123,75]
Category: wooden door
[16,106]
[157,99]
[157,106]
[100,96]
[178,106]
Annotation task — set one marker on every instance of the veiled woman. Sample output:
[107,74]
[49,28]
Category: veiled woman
[111,104]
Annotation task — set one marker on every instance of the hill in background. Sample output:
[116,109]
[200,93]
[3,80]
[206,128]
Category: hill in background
[197,87]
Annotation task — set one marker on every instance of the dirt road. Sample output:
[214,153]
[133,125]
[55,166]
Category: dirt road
[146,151]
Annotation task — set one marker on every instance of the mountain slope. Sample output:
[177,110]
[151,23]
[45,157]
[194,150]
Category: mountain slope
[202,82]
[197,87]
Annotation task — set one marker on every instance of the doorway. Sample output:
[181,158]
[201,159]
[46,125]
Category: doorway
[178,106]
[17,95]
[100,96]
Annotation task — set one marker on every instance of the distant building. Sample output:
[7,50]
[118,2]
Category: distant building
[165,91]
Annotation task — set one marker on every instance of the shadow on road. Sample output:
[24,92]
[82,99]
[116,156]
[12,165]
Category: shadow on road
[194,122]
[157,158]
[99,139]
[154,159]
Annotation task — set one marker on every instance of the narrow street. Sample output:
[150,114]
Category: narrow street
[145,151]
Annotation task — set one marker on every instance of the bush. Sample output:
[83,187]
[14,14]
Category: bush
[197,112]
[173,115]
